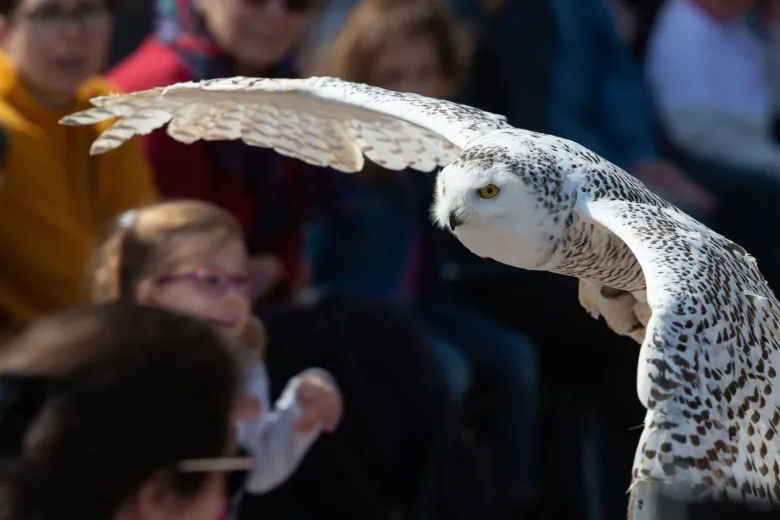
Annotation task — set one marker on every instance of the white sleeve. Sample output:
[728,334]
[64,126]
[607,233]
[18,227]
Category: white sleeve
[730,141]
[271,438]
[683,75]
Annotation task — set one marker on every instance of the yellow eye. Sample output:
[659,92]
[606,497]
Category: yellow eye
[489,191]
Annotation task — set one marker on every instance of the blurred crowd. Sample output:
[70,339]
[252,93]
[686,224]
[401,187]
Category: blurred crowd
[423,382]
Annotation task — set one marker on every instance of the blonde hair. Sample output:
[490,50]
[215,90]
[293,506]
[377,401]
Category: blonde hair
[148,242]
[375,22]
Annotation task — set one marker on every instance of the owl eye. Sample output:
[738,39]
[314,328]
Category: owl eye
[488,192]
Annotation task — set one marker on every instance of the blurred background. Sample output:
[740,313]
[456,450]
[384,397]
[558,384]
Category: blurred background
[680,93]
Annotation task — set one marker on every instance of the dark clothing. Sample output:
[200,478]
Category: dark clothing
[394,414]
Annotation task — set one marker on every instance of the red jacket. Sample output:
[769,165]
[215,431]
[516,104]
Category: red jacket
[181,170]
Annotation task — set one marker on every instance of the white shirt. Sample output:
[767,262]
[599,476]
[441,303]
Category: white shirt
[713,86]
[271,438]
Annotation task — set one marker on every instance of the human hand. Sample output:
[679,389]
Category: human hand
[665,179]
[320,402]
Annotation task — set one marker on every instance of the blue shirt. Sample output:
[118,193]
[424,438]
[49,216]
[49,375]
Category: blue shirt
[368,248]
[598,96]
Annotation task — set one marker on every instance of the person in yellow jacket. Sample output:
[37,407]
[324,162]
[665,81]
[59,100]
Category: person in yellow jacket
[55,196]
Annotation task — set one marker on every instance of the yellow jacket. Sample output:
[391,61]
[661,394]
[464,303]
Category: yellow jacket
[55,198]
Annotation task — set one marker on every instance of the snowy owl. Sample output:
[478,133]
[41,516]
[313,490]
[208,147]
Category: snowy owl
[696,302]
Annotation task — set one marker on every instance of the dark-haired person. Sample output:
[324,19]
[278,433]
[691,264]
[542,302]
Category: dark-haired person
[100,425]
[55,194]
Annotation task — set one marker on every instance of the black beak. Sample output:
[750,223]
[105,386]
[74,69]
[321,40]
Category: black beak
[454,221]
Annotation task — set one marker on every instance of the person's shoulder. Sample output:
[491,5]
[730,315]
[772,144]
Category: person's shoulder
[152,65]
[10,118]
[94,87]
[679,32]
[681,17]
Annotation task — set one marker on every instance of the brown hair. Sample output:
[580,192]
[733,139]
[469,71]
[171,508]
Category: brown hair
[99,398]
[374,22]
[150,241]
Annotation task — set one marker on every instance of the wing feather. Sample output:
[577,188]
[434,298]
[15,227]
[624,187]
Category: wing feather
[322,121]
[708,365]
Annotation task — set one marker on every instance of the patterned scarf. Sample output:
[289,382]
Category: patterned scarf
[286,192]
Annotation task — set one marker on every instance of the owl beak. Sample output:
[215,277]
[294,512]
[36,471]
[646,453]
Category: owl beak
[455,220]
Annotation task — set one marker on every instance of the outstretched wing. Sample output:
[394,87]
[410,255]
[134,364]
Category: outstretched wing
[322,121]
[708,364]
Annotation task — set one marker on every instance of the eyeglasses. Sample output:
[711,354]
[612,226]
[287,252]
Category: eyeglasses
[52,18]
[218,283]
[236,468]
[294,6]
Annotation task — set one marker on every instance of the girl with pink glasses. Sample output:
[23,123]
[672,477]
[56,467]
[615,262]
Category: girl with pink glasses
[189,257]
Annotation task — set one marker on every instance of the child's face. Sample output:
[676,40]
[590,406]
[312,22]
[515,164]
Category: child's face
[57,44]
[215,290]
[256,33]
[409,66]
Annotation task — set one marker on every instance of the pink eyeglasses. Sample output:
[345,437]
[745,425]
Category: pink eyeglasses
[218,283]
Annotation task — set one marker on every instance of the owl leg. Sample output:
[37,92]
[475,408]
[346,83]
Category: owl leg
[641,308]
[588,293]
[624,313]
[617,307]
